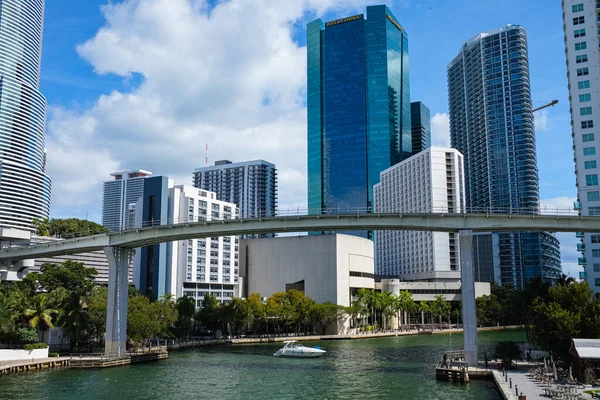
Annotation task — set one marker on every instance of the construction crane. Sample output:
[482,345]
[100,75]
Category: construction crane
[551,104]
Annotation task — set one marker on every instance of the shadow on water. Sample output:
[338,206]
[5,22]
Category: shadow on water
[396,367]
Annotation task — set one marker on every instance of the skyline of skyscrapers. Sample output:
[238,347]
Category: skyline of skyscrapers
[24,186]
[583,68]
[491,124]
[358,105]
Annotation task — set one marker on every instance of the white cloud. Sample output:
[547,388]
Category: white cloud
[558,205]
[440,130]
[233,78]
[541,121]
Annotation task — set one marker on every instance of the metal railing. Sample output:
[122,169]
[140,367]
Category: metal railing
[307,212]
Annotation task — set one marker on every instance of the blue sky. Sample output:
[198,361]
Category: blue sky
[122,58]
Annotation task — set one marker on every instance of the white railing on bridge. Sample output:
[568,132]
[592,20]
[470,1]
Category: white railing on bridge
[304,212]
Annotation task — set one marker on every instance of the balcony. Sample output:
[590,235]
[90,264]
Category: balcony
[580,246]
[579,234]
[582,275]
[577,206]
[581,261]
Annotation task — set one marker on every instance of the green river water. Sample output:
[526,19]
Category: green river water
[386,368]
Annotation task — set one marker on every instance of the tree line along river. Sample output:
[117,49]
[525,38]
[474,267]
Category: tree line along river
[385,368]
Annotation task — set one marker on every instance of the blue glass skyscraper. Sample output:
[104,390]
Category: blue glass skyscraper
[358,107]
[491,124]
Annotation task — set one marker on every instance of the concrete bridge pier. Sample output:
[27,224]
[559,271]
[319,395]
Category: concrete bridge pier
[119,260]
[469,313]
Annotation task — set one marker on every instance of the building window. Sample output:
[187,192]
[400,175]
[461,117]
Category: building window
[587,124]
[593,196]
[591,180]
[578,20]
[595,239]
[585,111]
[579,33]
[596,267]
[589,151]
[597,282]
[584,98]
[581,59]
[594,211]
[588,137]
[590,164]
[577,7]
[596,253]
[583,85]
[583,71]
[580,46]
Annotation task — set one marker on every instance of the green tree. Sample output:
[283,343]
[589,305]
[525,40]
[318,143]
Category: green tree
[507,352]
[186,309]
[571,311]
[74,319]
[71,275]
[440,307]
[69,227]
[40,314]
[326,314]
[7,322]
[208,312]
[489,310]
[96,308]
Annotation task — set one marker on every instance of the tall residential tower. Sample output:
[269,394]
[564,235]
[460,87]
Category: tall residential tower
[358,107]
[491,124]
[580,22]
[420,125]
[251,185]
[24,186]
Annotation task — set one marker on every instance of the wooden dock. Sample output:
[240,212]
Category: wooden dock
[11,367]
[453,367]
[101,360]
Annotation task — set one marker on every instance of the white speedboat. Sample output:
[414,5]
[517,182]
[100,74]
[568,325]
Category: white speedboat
[294,349]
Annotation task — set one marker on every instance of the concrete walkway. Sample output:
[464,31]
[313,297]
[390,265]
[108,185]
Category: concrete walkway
[530,387]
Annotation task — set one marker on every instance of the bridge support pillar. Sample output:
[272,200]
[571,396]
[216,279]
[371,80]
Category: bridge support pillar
[468,297]
[119,260]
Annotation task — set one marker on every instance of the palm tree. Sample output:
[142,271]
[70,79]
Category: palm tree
[386,302]
[424,308]
[40,313]
[564,280]
[73,319]
[7,323]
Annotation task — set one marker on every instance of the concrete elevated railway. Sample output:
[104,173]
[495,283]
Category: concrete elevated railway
[119,246]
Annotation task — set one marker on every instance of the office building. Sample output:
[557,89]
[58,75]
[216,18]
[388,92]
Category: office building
[328,268]
[580,19]
[358,103]
[428,182]
[119,196]
[491,124]
[420,126]
[24,185]
[250,185]
[187,267]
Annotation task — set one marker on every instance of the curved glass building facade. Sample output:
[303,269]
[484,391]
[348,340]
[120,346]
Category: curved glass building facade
[358,105]
[24,186]
[491,124]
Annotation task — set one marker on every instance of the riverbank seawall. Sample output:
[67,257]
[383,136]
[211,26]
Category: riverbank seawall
[367,335]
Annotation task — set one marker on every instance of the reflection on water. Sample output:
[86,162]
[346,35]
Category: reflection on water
[398,367]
